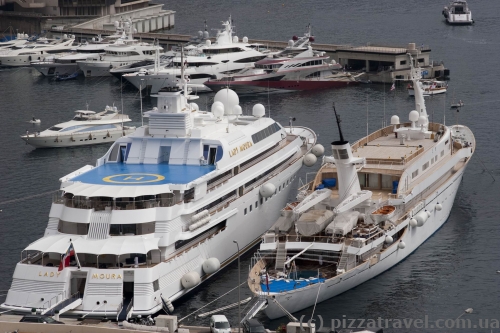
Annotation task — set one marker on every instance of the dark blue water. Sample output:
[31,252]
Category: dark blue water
[454,270]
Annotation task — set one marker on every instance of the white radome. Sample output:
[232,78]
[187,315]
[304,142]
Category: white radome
[318,150]
[414,116]
[267,190]
[394,120]
[258,110]
[228,98]
[208,42]
[310,160]
[211,265]
[190,280]
[245,39]
[194,106]
[237,110]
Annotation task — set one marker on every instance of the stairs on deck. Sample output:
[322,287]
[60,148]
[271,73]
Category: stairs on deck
[343,259]
[186,151]
[143,150]
[280,256]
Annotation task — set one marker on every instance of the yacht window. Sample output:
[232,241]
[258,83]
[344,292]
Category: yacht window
[72,128]
[264,133]
[414,174]
[95,128]
[387,181]
[442,153]
[402,62]
[131,229]
[251,59]
[114,153]
[55,128]
[314,74]
[425,166]
[72,228]
[421,60]
[362,179]
[156,285]
[250,208]
[343,154]
[245,213]
[373,180]
[256,204]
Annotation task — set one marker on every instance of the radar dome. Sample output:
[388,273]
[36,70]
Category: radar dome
[200,33]
[258,110]
[414,115]
[295,38]
[194,106]
[237,110]
[422,120]
[235,39]
[245,39]
[205,34]
[394,120]
[290,42]
[311,39]
[208,42]
[228,98]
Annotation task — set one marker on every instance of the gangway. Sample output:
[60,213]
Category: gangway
[259,305]
[64,305]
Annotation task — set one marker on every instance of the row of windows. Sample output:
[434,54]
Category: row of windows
[426,165]
[130,53]
[274,66]
[262,134]
[262,200]
[306,64]
[74,228]
[219,51]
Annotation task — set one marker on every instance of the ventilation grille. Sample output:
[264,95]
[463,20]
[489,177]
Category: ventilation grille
[108,289]
[41,287]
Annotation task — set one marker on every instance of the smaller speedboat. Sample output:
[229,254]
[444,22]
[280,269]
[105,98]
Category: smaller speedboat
[86,128]
[458,12]
[34,121]
[65,77]
[457,105]
[430,87]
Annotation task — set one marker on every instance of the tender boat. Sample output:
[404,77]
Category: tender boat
[458,12]
[86,128]
[24,54]
[227,55]
[34,121]
[457,105]
[124,51]
[430,87]
[158,213]
[370,206]
[65,77]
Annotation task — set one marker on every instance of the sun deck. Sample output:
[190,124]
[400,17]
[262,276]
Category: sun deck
[143,174]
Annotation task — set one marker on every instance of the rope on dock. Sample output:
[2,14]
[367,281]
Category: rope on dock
[192,313]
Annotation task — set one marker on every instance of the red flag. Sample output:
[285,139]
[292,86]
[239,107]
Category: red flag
[66,258]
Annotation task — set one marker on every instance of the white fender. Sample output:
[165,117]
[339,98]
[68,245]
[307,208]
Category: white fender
[310,160]
[211,265]
[190,280]
[267,190]
[401,245]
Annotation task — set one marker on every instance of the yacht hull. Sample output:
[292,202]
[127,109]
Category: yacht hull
[260,87]
[153,83]
[74,140]
[302,298]
[243,225]
[53,68]
[20,60]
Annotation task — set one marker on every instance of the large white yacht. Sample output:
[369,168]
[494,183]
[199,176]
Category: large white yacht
[458,13]
[227,55]
[23,55]
[369,206]
[86,128]
[158,213]
[21,39]
[124,51]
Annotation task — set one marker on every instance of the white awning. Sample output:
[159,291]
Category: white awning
[116,245]
[53,243]
[114,191]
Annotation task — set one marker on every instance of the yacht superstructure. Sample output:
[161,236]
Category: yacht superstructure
[124,51]
[369,206]
[158,213]
[212,61]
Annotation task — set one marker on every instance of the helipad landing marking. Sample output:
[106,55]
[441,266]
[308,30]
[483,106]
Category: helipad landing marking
[134,178]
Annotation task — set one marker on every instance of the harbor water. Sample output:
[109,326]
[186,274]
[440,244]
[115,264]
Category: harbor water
[453,270]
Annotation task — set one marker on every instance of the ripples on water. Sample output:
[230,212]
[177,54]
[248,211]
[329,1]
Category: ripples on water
[453,270]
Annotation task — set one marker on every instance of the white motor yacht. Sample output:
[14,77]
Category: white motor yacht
[161,211]
[227,55]
[458,13]
[86,128]
[430,87]
[123,52]
[369,206]
[24,54]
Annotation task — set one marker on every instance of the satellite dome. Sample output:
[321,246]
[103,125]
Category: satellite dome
[205,34]
[216,105]
[295,38]
[235,39]
[290,42]
[200,33]
[311,39]
[228,98]
[245,39]
[414,115]
[237,110]
[258,110]
[208,42]
[394,120]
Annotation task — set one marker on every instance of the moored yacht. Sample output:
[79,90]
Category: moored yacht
[86,128]
[158,213]
[123,52]
[23,55]
[429,87]
[369,206]
[212,61]
[458,13]
[21,39]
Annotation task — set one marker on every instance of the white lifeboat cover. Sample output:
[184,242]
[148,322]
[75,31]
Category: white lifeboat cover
[343,223]
[313,222]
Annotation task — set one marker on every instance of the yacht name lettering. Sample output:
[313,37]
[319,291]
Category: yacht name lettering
[49,274]
[242,147]
[106,276]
